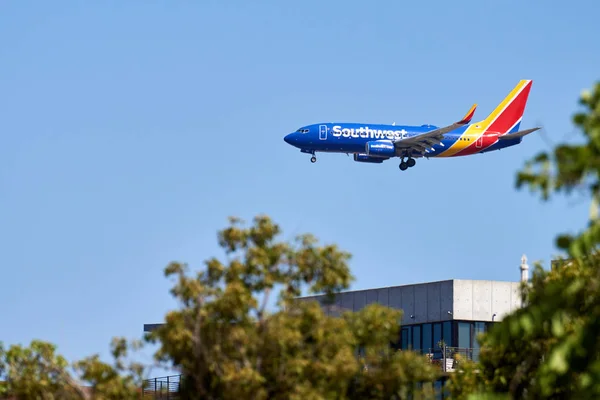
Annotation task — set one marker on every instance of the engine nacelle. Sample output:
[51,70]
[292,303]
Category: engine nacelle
[359,157]
[380,148]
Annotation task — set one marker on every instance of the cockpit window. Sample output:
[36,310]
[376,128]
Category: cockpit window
[302,130]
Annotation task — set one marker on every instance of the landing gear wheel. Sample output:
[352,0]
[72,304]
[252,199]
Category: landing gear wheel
[403,166]
[313,159]
[411,162]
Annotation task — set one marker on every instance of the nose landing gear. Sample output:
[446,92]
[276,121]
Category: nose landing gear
[313,159]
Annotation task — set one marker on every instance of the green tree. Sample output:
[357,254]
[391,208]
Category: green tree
[572,168]
[465,381]
[38,372]
[550,347]
[228,344]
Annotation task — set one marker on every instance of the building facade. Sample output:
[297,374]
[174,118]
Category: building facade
[453,311]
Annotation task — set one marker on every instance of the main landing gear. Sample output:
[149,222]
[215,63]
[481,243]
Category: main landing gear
[404,165]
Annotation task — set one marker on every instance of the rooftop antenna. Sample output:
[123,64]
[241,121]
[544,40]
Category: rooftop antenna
[524,269]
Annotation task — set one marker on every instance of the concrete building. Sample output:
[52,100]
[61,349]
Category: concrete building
[453,311]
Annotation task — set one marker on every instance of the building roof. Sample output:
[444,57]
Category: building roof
[454,299]
[444,300]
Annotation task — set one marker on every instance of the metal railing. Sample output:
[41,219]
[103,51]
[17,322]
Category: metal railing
[448,357]
[166,387]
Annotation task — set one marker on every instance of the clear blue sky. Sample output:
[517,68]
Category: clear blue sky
[132,130]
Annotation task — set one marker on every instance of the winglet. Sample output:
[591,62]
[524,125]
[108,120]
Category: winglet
[469,116]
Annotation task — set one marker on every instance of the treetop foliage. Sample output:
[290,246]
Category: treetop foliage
[549,348]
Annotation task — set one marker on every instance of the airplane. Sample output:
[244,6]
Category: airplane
[376,143]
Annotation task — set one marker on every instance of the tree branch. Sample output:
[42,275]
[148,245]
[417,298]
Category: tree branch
[198,348]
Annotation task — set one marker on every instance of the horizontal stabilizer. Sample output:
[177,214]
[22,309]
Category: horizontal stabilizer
[518,134]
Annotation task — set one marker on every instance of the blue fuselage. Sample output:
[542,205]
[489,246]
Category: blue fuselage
[353,137]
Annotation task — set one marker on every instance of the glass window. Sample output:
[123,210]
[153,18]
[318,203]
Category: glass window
[427,345]
[447,334]
[437,334]
[417,338]
[404,339]
[438,387]
[464,334]
[478,329]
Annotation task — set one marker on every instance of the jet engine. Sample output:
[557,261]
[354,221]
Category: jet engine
[359,157]
[380,148]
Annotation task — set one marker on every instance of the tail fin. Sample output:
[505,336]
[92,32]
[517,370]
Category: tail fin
[507,115]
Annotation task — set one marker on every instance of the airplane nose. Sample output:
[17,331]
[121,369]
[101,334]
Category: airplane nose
[288,138]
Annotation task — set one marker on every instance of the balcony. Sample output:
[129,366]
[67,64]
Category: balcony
[448,357]
[163,388]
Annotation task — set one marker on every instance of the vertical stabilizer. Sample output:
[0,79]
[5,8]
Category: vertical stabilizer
[506,117]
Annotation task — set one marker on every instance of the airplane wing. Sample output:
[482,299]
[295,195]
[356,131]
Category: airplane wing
[518,134]
[426,140]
